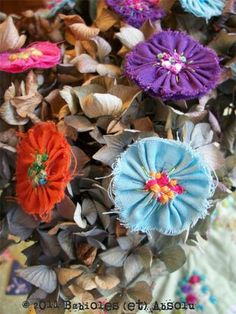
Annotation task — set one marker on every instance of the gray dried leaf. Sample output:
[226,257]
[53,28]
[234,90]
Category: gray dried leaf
[202,134]
[89,210]
[212,155]
[40,276]
[174,257]
[66,241]
[20,223]
[114,257]
[78,218]
[132,267]
[49,243]
[80,123]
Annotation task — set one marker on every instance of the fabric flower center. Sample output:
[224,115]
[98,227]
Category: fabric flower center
[25,55]
[163,188]
[37,171]
[174,63]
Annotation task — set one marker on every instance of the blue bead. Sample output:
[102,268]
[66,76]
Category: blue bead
[42,181]
[200,307]
[213,299]
[205,289]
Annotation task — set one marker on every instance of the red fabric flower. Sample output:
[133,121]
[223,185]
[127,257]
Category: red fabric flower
[41,55]
[42,169]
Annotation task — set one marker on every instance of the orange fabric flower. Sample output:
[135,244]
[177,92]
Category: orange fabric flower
[42,169]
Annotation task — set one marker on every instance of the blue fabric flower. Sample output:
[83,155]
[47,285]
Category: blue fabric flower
[204,8]
[161,185]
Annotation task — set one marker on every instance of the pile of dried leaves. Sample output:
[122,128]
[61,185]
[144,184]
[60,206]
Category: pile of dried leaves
[84,254]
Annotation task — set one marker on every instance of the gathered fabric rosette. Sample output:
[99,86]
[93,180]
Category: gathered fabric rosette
[41,55]
[172,65]
[42,169]
[161,185]
[204,8]
[136,12]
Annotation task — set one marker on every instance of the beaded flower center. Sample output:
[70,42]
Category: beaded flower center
[174,63]
[37,172]
[163,188]
[25,55]
[136,4]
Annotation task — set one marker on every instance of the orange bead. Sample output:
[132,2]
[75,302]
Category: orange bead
[173,182]
[152,174]
[171,194]
[158,175]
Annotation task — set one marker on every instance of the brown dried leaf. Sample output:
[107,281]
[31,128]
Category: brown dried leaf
[71,19]
[143,124]
[67,130]
[109,70]
[141,291]
[79,161]
[83,32]
[55,101]
[86,253]
[83,296]
[126,93]
[106,19]
[9,36]
[120,230]
[107,282]
[222,42]
[86,281]
[64,275]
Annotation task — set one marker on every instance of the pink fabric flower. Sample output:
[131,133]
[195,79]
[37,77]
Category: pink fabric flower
[41,55]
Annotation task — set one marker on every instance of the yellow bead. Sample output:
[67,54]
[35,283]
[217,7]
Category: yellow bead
[152,174]
[171,194]
[165,189]
[35,52]
[155,188]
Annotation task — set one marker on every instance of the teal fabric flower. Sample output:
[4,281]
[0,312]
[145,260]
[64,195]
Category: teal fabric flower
[161,185]
[204,8]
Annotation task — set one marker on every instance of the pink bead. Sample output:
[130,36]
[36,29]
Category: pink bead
[191,299]
[194,279]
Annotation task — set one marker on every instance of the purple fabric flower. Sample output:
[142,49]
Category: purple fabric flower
[172,65]
[136,12]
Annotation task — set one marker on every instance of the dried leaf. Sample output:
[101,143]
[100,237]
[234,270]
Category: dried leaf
[130,36]
[83,32]
[108,69]
[103,47]
[212,155]
[96,105]
[85,64]
[132,267]
[105,20]
[80,123]
[114,257]
[9,36]
[86,253]
[68,94]
[141,291]
[64,275]
[40,276]
[107,282]
[77,217]
[173,257]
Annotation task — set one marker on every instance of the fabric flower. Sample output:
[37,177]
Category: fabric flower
[204,8]
[41,55]
[56,5]
[161,185]
[172,65]
[136,12]
[42,169]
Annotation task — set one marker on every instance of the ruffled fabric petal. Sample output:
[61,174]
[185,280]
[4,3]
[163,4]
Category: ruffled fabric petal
[136,12]
[172,65]
[139,209]
[47,56]
[204,8]
[40,198]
